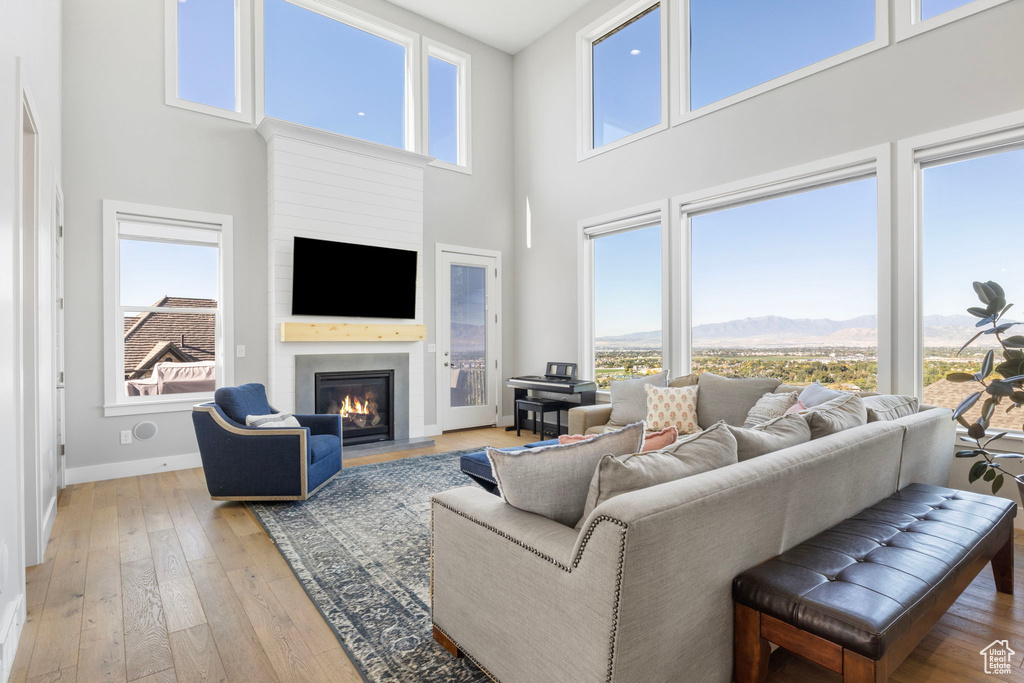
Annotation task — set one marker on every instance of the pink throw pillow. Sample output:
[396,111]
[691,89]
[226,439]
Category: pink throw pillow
[656,440]
[795,408]
[564,439]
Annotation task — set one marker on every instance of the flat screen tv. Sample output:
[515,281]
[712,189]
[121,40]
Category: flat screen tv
[342,279]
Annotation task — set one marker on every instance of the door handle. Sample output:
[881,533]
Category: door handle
[446,363]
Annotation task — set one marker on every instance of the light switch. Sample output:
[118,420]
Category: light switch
[126,437]
[431,348]
[240,351]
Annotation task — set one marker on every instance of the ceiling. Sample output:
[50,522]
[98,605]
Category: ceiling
[508,25]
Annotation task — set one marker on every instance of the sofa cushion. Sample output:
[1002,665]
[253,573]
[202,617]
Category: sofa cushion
[890,407]
[685,380]
[702,452]
[788,388]
[833,416]
[721,398]
[272,421]
[672,407]
[322,446]
[553,481]
[769,407]
[782,432]
[815,394]
[652,440]
[629,402]
[239,402]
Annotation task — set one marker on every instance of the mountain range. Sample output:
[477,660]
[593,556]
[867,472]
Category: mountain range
[777,331]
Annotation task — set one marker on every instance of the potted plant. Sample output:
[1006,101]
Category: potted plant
[997,383]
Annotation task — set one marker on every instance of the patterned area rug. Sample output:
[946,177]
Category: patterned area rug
[361,549]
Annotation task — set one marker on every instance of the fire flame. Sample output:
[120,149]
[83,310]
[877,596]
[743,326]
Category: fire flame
[354,407]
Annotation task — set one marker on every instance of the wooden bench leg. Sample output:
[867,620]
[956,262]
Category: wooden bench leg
[750,650]
[446,643]
[1002,567]
[859,669]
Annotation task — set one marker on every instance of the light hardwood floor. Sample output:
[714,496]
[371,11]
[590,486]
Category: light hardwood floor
[147,579]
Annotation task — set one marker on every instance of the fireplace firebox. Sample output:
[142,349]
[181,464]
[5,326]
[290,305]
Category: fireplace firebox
[364,400]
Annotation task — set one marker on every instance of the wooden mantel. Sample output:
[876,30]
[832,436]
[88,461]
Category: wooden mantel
[351,332]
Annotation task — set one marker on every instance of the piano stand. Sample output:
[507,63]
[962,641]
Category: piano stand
[587,398]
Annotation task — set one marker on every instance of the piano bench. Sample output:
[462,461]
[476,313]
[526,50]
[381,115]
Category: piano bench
[477,467]
[540,407]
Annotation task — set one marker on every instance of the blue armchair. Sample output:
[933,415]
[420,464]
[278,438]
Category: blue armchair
[254,463]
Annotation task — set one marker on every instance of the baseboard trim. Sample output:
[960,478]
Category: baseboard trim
[11,624]
[131,468]
[431,430]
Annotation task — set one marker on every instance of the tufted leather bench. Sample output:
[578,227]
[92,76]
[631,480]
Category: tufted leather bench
[858,597]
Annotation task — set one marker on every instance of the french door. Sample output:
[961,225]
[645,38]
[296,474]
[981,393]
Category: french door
[467,340]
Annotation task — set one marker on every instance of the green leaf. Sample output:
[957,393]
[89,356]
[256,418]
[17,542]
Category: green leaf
[990,474]
[967,404]
[960,377]
[997,436]
[1014,342]
[987,409]
[984,292]
[963,421]
[995,289]
[997,483]
[978,312]
[986,365]
[1009,456]
[999,389]
[976,471]
[967,454]
[969,342]
[976,431]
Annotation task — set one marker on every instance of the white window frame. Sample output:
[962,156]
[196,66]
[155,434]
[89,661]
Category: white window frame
[910,24]
[243,64]
[364,22]
[585,75]
[115,402]
[871,162]
[590,229]
[681,103]
[980,138]
[461,61]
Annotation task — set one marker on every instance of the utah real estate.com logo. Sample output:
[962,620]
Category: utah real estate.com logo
[997,657]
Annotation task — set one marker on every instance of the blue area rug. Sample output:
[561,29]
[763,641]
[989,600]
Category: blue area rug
[361,549]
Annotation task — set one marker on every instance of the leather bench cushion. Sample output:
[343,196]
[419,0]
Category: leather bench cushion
[865,581]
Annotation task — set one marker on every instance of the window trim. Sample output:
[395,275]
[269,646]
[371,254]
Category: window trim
[988,136]
[461,61]
[681,63]
[873,161]
[368,23]
[910,24]
[585,75]
[643,215]
[115,403]
[243,65]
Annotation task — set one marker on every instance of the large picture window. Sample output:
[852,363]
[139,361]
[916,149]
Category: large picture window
[786,287]
[627,303]
[969,206]
[167,305]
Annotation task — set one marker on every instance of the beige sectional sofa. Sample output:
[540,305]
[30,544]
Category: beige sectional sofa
[643,591]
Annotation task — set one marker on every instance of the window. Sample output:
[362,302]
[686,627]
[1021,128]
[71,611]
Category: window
[209,57]
[917,16]
[969,205]
[932,8]
[337,72]
[168,295]
[626,296]
[623,66]
[447,121]
[799,300]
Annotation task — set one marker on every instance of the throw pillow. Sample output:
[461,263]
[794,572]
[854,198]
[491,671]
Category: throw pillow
[833,416]
[702,452]
[553,480]
[788,388]
[797,407]
[815,395]
[652,440]
[672,407]
[769,407]
[629,403]
[684,381]
[275,421]
[886,407]
[721,398]
[782,432]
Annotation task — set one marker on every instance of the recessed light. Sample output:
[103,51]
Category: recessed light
[362,113]
[634,52]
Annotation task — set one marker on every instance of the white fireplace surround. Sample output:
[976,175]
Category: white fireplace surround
[332,187]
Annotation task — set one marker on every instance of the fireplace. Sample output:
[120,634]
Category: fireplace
[365,401]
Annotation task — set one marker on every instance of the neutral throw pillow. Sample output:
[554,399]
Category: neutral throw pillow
[782,432]
[629,403]
[788,388]
[815,395]
[721,398]
[833,416]
[672,407]
[553,480]
[886,407]
[708,450]
[769,407]
[652,440]
[275,421]
[685,380]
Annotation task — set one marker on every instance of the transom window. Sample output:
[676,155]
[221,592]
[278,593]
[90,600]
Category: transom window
[447,123]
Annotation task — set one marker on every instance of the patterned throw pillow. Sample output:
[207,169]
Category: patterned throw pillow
[672,407]
[273,421]
[769,407]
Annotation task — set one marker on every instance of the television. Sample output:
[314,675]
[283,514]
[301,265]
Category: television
[356,280]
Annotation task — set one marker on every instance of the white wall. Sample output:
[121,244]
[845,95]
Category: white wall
[30,30]
[965,71]
[124,143]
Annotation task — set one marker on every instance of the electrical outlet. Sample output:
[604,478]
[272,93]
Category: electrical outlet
[126,437]
[240,351]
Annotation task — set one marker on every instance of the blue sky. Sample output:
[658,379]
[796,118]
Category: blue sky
[152,270]
[627,80]
[931,8]
[443,97]
[627,282]
[206,57]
